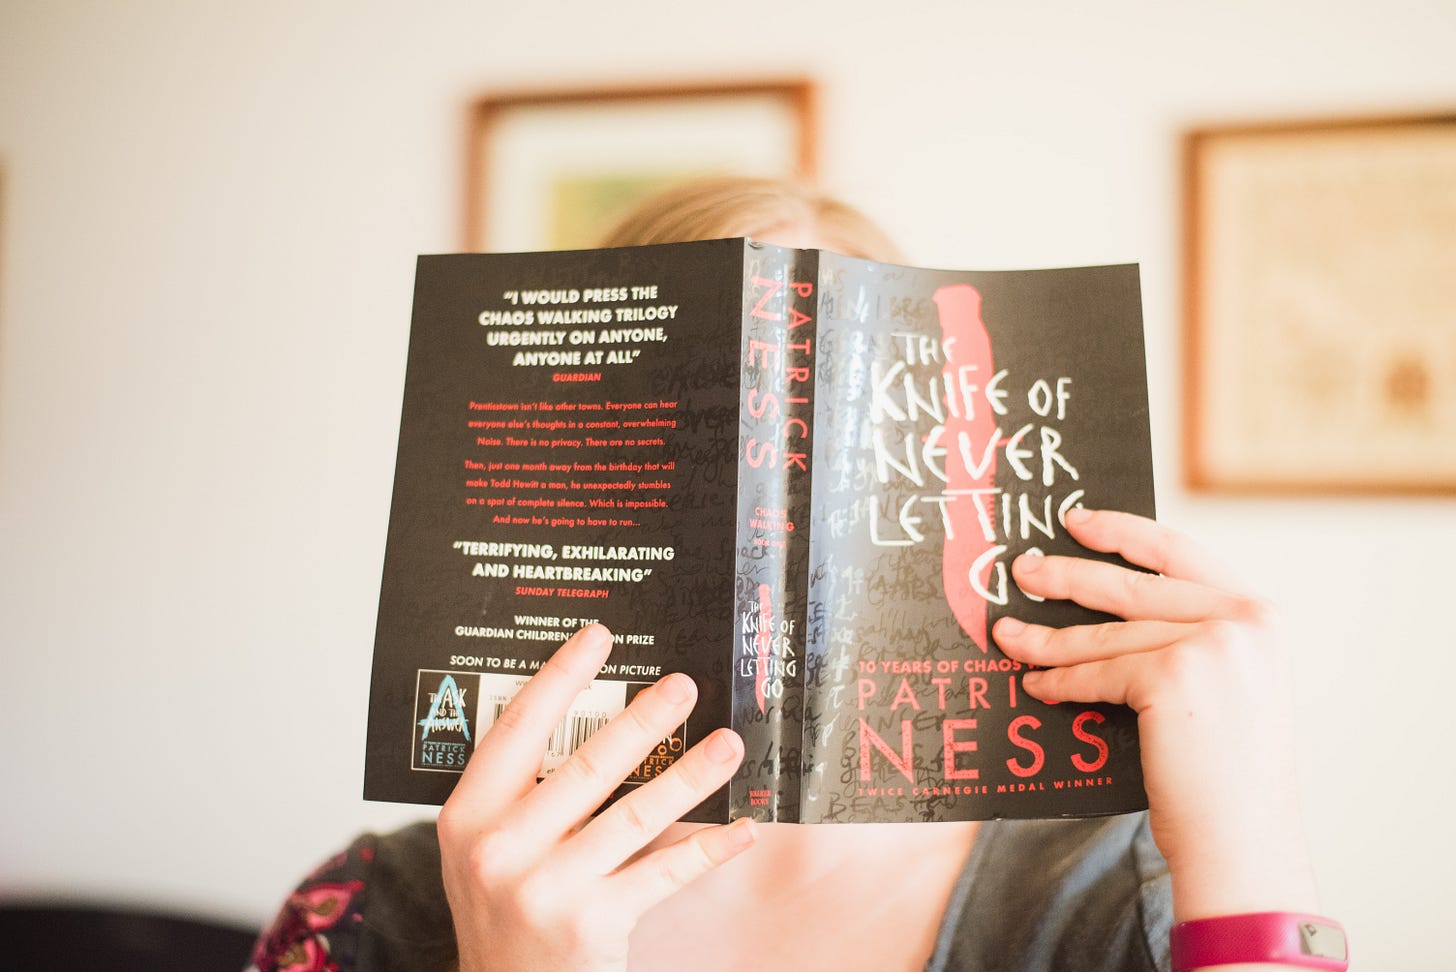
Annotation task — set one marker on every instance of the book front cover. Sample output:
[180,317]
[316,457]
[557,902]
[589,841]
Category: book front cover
[958,417]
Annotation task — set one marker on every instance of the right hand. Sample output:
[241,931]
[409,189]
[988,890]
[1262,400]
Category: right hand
[533,880]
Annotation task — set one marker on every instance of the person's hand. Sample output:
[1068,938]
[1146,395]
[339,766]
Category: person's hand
[1204,667]
[533,881]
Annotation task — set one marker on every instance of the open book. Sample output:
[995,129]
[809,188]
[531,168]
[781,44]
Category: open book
[798,477]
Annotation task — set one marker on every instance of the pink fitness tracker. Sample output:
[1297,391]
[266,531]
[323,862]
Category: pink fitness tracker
[1307,941]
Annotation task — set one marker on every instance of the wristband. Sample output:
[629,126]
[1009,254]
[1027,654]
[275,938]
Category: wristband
[1306,941]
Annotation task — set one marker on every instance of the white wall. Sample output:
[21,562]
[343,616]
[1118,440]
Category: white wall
[209,222]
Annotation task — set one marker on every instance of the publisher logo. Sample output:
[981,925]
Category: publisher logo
[666,753]
[446,718]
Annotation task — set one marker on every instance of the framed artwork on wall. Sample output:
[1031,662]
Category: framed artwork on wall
[551,169]
[1320,306]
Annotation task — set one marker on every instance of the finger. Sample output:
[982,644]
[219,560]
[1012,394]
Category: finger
[1130,594]
[631,823]
[1150,544]
[592,773]
[1118,681]
[664,872]
[507,758]
[1077,644]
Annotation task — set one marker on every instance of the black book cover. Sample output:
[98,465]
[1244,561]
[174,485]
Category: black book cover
[798,477]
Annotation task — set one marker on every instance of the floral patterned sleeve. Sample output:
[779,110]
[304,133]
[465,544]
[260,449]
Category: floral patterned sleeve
[318,926]
[377,907]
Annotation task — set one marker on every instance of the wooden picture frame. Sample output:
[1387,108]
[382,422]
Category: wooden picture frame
[549,169]
[1320,306]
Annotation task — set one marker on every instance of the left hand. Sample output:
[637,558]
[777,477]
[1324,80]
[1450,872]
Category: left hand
[534,880]
[1204,667]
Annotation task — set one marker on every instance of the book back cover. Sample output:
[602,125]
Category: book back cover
[567,454]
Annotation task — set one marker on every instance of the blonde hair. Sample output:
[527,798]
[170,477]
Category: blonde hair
[715,207]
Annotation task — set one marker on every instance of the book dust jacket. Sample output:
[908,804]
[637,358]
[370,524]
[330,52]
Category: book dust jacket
[800,478]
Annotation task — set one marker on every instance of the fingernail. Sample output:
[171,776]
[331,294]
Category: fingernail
[742,832]
[1028,562]
[1078,514]
[1030,681]
[677,688]
[595,632]
[1010,627]
[722,747]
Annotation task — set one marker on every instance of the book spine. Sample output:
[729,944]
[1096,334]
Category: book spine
[776,424]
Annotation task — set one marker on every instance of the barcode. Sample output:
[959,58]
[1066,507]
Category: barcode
[597,704]
[565,739]
[572,732]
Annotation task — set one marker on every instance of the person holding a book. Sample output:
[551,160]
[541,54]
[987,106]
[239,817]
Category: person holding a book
[521,874]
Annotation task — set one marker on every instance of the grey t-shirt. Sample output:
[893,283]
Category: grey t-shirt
[1035,896]
[1059,896]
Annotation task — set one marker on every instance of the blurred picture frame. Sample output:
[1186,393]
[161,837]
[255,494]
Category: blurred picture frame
[1320,306]
[552,169]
